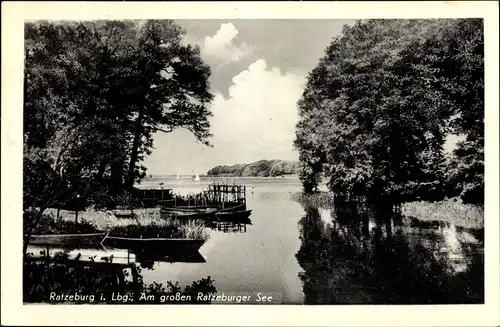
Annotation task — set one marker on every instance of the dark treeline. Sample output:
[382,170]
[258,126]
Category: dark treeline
[261,168]
[94,95]
[377,109]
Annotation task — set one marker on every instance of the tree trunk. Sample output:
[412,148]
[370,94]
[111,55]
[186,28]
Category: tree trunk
[34,223]
[135,150]
[102,169]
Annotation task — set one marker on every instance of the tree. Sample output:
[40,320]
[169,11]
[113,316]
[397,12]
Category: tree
[170,89]
[94,95]
[376,110]
[464,77]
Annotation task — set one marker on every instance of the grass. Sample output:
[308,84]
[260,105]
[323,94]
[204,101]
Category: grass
[451,210]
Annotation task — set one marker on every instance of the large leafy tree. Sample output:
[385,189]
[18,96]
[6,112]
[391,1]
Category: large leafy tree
[94,95]
[463,83]
[376,110]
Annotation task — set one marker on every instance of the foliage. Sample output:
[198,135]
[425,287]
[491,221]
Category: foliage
[96,92]
[94,95]
[49,225]
[65,277]
[261,168]
[376,110]
[361,260]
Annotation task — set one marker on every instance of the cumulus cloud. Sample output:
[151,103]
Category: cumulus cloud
[257,120]
[221,48]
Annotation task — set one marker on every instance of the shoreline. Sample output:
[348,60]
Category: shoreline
[451,210]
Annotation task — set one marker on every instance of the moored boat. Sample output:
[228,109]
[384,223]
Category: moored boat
[187,214]
[69,240]
[203,209]
[233,215]
[183,210]
[236,208]
[154,245]
[184,256]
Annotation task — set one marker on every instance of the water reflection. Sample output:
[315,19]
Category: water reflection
[104,276]
[229,226]
[356,255]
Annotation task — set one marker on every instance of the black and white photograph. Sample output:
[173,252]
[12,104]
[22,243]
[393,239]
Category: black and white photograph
[175,161]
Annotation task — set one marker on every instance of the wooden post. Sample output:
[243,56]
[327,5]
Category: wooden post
[57,214]
[76,216]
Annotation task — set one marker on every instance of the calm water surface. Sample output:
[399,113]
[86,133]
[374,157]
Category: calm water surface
[316,256]
[262,259]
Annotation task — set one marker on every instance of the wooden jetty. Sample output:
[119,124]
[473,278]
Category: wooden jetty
[217,196]
[103,261]
[227,194]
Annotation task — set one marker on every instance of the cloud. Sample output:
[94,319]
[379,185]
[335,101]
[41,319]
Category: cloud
[220,48]
[257,120]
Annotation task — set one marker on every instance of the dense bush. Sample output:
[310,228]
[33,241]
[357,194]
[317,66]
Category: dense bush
[49,225]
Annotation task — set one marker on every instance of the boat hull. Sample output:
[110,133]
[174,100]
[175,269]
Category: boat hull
[68,240]
[187,215]
[240,207]
[233,216]
[203,209]
[154,245]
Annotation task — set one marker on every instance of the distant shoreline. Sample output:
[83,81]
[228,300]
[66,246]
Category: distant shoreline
[174,176]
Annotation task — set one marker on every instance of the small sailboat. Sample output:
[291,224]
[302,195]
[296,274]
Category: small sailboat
[197,178]
[177,176]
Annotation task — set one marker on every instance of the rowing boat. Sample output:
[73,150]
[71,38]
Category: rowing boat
[154,245]
[202,209]
[73,240]
[187,215]
[233,215]
[232,209]
[214,206]
[185,256]
[183,210]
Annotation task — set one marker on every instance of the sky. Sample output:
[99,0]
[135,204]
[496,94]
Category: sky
[259,69]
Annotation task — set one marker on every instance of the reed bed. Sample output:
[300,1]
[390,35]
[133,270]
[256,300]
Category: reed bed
[450,210]
[145,223]
[317,200]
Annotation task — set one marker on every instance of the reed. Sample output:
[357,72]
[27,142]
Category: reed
[316,200]
[146,223]
[450,210]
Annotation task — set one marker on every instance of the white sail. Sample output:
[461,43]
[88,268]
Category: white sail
[177,176]
[197,178]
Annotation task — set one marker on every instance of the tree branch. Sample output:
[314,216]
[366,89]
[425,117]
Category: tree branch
[157,129]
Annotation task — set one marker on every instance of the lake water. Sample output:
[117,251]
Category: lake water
[314,255]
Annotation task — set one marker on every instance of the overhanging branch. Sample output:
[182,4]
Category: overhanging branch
[157,129]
